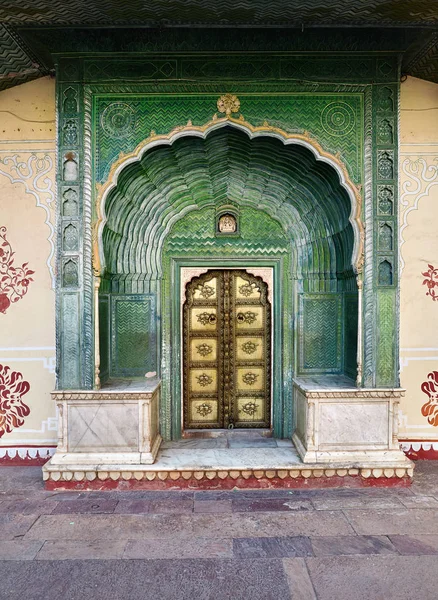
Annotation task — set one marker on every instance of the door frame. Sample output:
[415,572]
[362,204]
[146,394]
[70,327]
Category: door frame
[281,387]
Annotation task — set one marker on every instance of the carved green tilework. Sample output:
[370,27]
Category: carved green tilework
[287,182]
[350,334]
[133,336]
[335,120]
[104,336]
[124,113]
[194,233]
[386,337]
[320,333]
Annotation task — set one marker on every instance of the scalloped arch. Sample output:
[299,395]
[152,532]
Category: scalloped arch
[288,176]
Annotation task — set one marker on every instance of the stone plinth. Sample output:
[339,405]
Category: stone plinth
[359,426]
[345,436]
[117,425]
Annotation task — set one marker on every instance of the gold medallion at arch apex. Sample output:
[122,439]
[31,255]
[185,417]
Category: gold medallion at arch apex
[228,103]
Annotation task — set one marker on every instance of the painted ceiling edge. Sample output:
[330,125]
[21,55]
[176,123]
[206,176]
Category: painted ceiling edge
[228,12]
[18,63]
[154,140]
[26,58]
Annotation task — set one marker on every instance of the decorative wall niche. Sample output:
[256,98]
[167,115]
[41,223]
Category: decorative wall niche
[385,100]
[385,274]
[70,239]
[70,133]
[227,224]
[70,168]
[227,220]
[70,203]
[385,131]
[70,104]
[70,276]
[385,195]
[386,241]
[385,164]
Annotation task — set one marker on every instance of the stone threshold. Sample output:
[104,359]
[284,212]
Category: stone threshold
[220,468]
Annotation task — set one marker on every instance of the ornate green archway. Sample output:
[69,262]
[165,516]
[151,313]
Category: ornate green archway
[295,213]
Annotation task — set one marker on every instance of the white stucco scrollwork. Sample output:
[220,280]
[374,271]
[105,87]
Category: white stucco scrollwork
[36,171]
[419,175]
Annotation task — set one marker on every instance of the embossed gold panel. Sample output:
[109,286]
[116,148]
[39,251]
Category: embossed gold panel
[227,351]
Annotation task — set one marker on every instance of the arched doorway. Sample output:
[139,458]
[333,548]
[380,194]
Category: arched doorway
[226,351]
[293,214]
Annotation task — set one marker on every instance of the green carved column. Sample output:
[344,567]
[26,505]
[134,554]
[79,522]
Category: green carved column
[385,155]
[74,278]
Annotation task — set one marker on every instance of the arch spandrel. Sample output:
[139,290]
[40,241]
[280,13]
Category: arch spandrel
[156,141]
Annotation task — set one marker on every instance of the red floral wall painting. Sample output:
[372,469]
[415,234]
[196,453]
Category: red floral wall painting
[430,388]
[12,408]
[14,281]
[431,282]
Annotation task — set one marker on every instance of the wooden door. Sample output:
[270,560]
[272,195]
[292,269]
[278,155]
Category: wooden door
[227,351]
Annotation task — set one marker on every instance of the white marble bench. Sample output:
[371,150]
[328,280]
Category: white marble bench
[118,424]
[336,421]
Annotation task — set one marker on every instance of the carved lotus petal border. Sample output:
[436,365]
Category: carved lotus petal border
[280,476]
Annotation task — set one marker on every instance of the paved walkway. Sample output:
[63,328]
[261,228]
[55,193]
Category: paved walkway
[366,544]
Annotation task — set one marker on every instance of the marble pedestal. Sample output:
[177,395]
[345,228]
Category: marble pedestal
[114,426]
[347,424]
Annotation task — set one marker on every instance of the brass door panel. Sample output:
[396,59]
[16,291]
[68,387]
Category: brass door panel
[227,351]
[203,349]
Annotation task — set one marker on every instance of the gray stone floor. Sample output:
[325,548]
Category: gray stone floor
[229,440]
[334,544]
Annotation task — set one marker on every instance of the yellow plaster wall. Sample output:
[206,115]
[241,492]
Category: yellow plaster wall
[27,210]
[418,170]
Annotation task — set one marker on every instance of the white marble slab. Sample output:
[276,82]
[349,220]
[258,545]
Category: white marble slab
[85,459]
[325,382]
[145,384]
[105,427]
[347,424]
[227,458]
